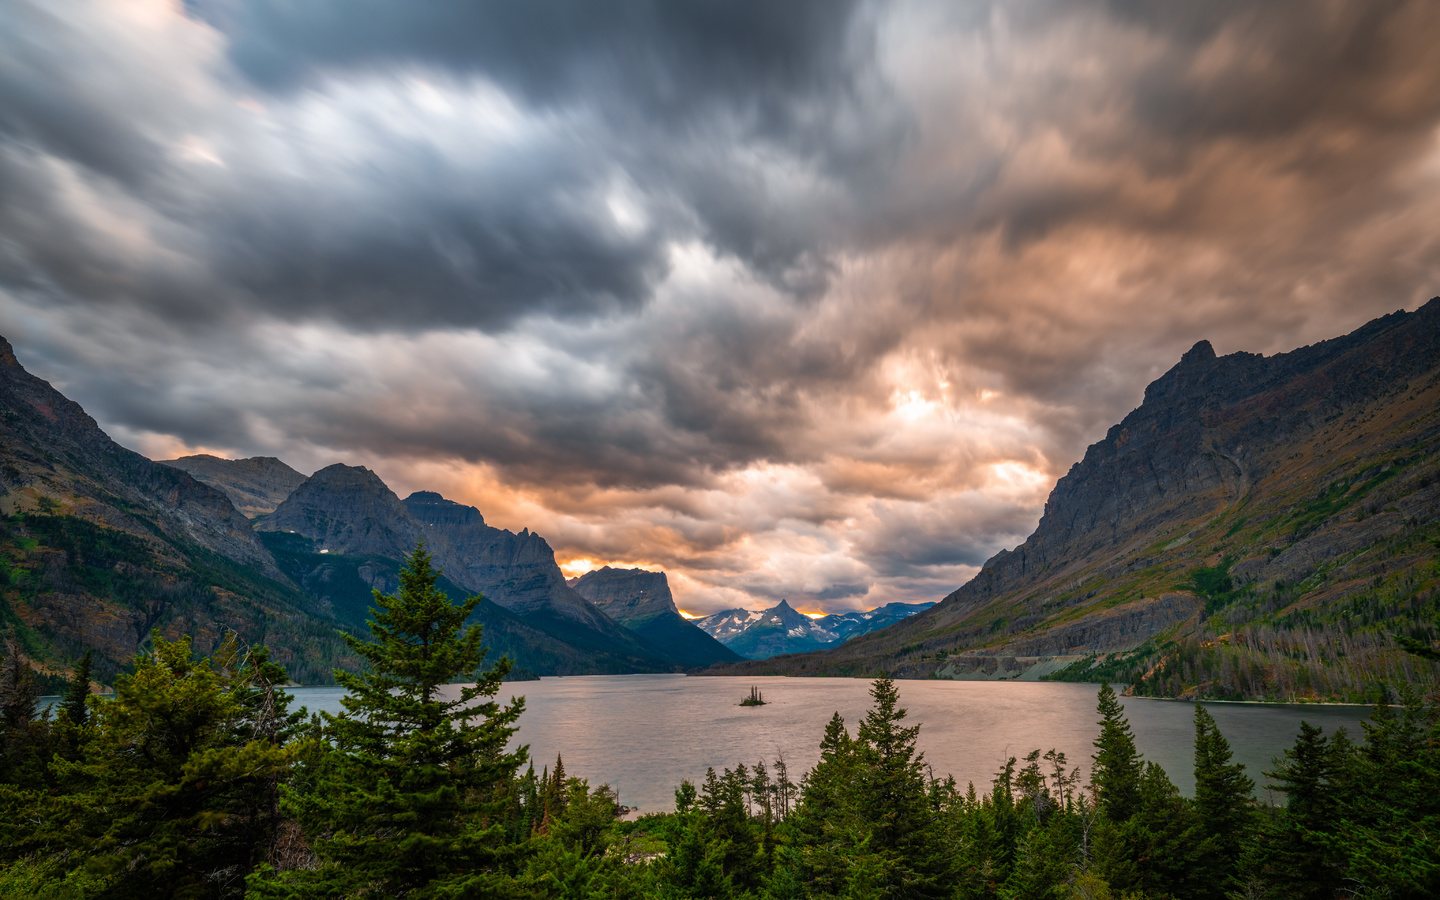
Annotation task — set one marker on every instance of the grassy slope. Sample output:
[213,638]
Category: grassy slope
[68,584]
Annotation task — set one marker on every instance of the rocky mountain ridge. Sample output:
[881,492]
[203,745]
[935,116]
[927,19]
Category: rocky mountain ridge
[349,511]
[98,545]
[1257,527]
[761,634]
[256,486]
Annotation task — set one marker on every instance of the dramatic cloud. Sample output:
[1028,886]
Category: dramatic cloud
[809,300]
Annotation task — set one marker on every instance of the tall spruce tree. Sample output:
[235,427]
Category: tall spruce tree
[1293,855]
[894,801]
[1117,768]
[409,801]
[1224,810]
[167,795]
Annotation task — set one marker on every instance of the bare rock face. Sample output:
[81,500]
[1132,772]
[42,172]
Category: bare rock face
[642,602]
[628,595]
[348,509]
[256,486]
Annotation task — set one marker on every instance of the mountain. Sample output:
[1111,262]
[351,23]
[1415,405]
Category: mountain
[641,601]
[760,634]
[99,545]
[343,532]
[255,486]
[1259,527]
[849,625]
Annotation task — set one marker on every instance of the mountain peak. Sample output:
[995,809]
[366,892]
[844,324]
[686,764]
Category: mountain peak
[7,355]
[1201,352]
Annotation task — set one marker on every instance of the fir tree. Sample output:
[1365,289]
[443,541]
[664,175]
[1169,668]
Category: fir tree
[1116,773]
[411,799]
[167,796]
[1224,811]
[1292,855]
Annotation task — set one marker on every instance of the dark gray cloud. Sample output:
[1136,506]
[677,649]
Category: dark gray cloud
[809,300]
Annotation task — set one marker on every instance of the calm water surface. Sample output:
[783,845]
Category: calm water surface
[643,734]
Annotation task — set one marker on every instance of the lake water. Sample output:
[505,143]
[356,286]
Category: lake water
[643,734]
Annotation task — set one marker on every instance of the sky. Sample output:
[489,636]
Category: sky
[810,300]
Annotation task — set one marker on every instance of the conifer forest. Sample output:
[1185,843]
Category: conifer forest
[199,780]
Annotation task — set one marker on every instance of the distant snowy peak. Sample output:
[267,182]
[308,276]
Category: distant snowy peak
[760,634]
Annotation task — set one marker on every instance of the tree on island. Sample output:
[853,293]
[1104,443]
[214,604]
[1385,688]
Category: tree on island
[409,794]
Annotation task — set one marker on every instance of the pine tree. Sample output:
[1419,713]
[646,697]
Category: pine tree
[78,691]
[1292,856]
[1116,773]
[167,796]
[410,801]
[826,825]
[1225,813]
[894,801]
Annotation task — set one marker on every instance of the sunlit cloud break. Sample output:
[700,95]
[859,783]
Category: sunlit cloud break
[809,301]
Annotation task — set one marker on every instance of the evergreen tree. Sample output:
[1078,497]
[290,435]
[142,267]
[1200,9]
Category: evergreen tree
[78,691]
[1115,775]
[167,796]
[1224,811]
[1293,856]
[21,756]
[826,826]
[410,800]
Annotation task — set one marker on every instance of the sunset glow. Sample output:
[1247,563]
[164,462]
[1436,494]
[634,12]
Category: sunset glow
[815,305]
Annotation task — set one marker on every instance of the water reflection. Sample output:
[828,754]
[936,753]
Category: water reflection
[644,733]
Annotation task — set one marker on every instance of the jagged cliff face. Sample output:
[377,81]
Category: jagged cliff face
[99,545]
[256,486]
[1307,482]
[628,595]
[516,571]
[641,601]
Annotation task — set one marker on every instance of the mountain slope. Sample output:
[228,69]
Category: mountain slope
[98,545]
[642,602]
[1258,527]
[359,532]
[255,485]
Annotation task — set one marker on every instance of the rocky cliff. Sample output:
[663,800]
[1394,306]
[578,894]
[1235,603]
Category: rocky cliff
[348,511]
[641,601]
[100,545]
[1257,527]
[256,486]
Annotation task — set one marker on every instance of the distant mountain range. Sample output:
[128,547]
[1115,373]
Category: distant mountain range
[761,634]
[1258,527]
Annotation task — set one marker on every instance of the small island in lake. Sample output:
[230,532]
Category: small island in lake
[755,698]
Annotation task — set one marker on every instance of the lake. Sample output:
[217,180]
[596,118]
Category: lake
[643,734]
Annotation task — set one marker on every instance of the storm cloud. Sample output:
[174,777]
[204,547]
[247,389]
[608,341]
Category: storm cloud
[809,300]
